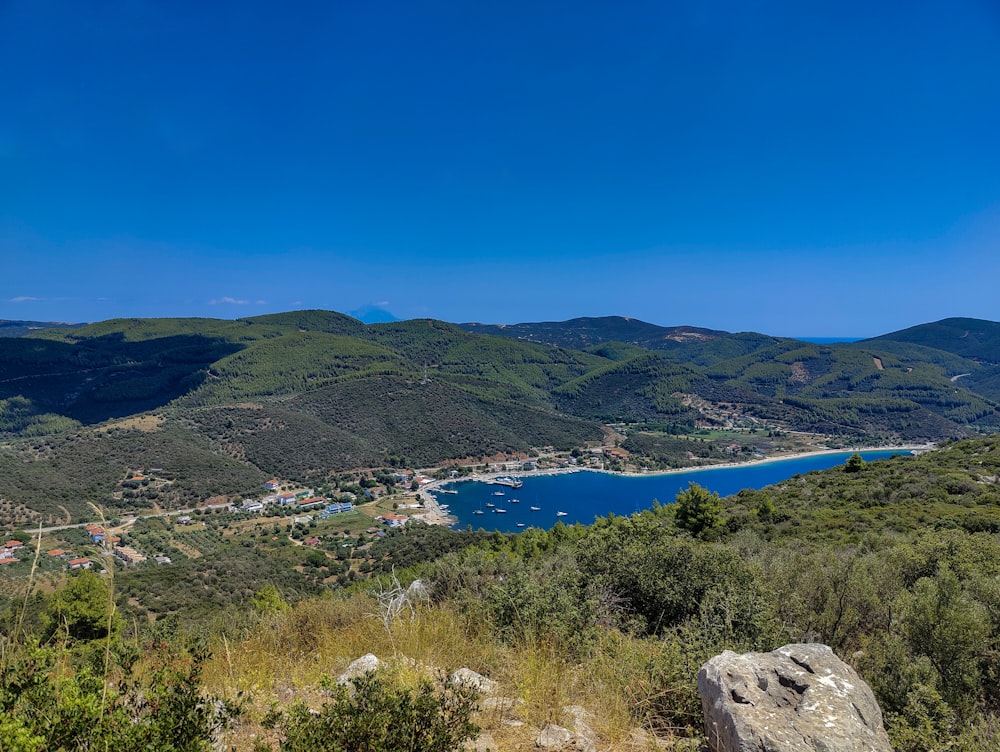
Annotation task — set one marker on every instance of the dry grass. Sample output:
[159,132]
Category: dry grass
[144,423]
[288,656]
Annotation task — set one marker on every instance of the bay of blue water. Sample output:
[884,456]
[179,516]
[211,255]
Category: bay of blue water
[585,495]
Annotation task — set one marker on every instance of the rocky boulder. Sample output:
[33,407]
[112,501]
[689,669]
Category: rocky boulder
[469,679]
[798,698]
[359,667]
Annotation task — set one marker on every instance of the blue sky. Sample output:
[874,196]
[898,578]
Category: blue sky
[823,169]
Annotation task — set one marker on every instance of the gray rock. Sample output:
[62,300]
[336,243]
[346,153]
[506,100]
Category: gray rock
[482,743]
[468,678]
[359,667]
[554,737]
[584,737]
[503,706]
[641,740]
[798,698]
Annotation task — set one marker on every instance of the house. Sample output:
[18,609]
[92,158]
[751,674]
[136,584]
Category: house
[529,465]
[313,541]
[393,520]
[252,505]
[272,485]
[81,563]
[337,509]
[286,498]
[161,559]
[184,519]
[128,554]
[7,559]
[312,501]
[13,545]
[57,552]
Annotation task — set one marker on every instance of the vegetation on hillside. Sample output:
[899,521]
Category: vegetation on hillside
[895,564]
[221,405]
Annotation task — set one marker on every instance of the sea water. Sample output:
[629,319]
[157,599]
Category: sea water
[586,494]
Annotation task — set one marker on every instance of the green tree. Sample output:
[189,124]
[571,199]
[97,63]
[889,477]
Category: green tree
[698,510]
[82,609]
[855,463]
[952,630]
[268,600]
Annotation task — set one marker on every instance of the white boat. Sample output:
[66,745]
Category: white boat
[500,511]
[520,524]
[490,504]
[499,493]
[536,509]
[561,514]
[447,491]
[478,511]
[515,501]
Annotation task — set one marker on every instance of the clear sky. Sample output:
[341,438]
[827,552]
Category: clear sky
[797,168]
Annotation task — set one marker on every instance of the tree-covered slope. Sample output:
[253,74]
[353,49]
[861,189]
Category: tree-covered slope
[582,333]
[305,393]
[975,339]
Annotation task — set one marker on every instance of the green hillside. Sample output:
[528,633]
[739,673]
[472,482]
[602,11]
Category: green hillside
[975,339]
[583,333]
[306,394]
[894,564]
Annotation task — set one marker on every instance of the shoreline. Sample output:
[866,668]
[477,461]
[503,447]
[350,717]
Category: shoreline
[434,515]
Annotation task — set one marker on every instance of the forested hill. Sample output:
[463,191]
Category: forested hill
[974,339]
[584,332]
[307,393]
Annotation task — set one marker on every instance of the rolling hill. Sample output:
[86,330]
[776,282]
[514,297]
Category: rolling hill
[220,404]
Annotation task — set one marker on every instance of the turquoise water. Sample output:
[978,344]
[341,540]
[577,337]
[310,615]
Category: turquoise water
[586,495]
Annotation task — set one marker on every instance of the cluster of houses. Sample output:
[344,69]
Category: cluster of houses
[112,543]
[301,499]
[98,534]
[7,552]
[72,562]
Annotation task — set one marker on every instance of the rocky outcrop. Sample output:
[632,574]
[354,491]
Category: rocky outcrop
[554,737]
[798,698]
[469,679]
[359,667]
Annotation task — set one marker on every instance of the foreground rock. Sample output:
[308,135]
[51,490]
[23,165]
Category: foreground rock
[359,667]
[469,679]
[797,698]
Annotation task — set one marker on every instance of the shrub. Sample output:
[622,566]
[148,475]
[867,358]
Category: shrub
[378,717]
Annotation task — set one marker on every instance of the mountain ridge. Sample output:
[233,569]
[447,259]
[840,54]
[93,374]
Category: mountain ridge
[303,394]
